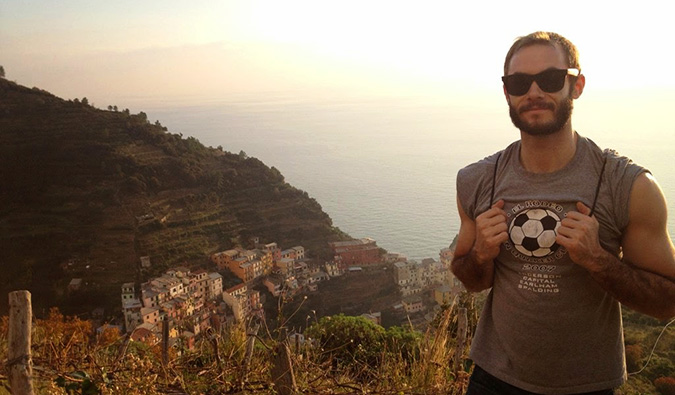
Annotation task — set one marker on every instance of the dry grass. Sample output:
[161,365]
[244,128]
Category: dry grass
[66,356]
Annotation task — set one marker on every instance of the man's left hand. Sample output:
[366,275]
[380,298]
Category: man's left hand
[578,233]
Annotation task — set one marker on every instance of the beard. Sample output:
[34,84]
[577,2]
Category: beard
[560,117]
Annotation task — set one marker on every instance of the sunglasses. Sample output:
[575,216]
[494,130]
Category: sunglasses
[549,81]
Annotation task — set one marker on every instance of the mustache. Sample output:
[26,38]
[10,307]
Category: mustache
[537,105]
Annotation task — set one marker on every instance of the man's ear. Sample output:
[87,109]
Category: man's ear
[578,87]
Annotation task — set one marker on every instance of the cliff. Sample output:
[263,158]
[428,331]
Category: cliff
[87,192]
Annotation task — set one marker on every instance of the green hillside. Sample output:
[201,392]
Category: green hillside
[87,192]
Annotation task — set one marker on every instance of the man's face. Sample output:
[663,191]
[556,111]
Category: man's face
[537,112]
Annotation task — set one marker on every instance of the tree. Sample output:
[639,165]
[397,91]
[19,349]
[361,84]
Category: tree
[349,342]
[85,101]
[2,72]
[143,117]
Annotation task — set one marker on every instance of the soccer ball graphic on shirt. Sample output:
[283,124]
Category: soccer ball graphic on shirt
[533,232]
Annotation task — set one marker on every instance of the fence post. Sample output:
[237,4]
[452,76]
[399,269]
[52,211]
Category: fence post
[19,360]
[251,333]
[165,341]
[461,338]
[282,367]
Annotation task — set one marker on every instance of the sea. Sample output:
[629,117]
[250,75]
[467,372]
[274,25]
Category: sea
[384,167]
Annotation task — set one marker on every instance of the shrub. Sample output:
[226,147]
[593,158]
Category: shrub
[634,353]
[665,385]
[352,343]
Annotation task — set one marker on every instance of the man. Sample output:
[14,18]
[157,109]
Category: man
[562,232]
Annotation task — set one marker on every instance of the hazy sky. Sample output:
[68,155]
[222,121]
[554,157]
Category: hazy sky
[138,54]
[115,49]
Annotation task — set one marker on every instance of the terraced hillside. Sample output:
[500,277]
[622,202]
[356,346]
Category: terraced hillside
[87,192]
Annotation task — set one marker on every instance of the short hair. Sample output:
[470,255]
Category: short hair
[545,38]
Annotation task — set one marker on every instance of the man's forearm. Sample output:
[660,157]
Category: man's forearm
[474,275]
[643,291]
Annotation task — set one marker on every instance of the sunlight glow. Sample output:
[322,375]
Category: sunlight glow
[202,47]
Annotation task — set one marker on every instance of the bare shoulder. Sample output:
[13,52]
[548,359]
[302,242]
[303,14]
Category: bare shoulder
[646,242]
[647,203]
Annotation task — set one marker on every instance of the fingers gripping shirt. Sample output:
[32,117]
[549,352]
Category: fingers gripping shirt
[547,327]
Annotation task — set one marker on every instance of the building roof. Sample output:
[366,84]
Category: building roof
[235,288]
[131,304]
[319,275]
[412,299]
[141,333]
[230,253]
[148,310]
[352,243]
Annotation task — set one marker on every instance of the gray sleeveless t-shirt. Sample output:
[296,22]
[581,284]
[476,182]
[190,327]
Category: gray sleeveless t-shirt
[547,326]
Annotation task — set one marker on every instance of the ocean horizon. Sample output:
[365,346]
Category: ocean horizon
[383,167]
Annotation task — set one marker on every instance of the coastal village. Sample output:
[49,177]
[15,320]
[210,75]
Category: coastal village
[183,304]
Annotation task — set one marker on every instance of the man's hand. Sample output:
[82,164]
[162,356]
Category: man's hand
[578,233]
[477,245]
[491,232]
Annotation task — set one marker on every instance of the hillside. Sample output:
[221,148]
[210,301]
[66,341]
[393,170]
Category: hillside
[87,192]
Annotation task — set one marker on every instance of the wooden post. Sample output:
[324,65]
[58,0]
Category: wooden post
[461,337]
[165,341]
[282,368]
[251,333]
[282,371]
[19,360]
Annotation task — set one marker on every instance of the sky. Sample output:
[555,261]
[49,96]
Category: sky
[114,50]
[140,54]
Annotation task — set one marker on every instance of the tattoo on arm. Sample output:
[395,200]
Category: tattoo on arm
[475,276]
[641,290]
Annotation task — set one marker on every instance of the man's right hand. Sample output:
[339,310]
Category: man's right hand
[491,232]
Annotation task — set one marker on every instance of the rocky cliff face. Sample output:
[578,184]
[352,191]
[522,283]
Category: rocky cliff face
[86,192]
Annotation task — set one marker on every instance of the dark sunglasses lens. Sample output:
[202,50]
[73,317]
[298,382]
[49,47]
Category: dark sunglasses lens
[518,84]
[551,81]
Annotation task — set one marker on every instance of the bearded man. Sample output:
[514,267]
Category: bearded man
[562,233]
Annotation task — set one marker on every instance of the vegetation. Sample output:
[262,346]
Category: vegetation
[87,192]
[340,355]
[650,354]
[67,358]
